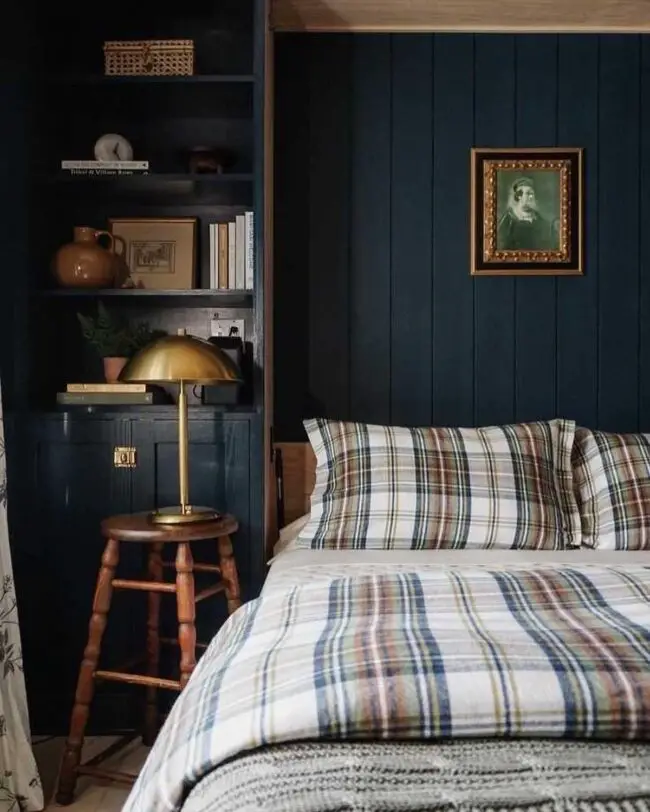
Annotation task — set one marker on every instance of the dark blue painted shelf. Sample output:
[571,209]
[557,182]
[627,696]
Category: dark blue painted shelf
[225,298]
[153,179]
[100,79]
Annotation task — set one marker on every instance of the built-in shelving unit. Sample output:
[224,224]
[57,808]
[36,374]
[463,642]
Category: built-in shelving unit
[164,118]
[61,458]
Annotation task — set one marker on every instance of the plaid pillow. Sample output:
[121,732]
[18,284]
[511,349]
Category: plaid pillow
[381,487]
[612,484]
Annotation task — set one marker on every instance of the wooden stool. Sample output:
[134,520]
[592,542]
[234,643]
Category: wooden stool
[139,528]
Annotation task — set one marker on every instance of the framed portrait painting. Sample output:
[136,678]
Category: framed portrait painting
[527,212]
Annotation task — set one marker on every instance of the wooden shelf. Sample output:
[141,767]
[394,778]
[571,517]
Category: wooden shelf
[100,79]
[157,188]
[158,411]
[223,298]
[154,178]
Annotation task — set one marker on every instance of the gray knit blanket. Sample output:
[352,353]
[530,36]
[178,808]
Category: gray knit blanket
[530,775]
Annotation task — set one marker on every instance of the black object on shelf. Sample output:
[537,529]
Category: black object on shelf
[227,393]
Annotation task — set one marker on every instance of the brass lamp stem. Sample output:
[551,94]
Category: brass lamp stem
[183,473]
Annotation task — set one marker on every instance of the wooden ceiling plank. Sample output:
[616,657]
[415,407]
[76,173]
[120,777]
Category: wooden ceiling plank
[559,16]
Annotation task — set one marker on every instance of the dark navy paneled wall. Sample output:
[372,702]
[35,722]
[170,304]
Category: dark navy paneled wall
[377,318]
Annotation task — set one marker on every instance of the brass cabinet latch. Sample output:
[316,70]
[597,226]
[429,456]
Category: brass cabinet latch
[124,457]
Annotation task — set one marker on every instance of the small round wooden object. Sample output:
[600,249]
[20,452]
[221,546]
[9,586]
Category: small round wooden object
[139,528]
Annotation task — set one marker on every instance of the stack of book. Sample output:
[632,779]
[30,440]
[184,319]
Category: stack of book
[232,252]
[111,394]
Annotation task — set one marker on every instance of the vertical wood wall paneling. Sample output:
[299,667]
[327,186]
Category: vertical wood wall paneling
[644,245]
[411,231]
[536,126]
[291,246]
[618,233]
[453,287]
[329,223]
[577,296]
[370,284]
[488,90]
[494,320]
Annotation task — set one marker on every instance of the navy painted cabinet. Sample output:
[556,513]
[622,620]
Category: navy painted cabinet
[220,477]
[64,482]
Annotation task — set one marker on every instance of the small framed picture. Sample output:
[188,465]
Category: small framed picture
[160,252]
[527,212]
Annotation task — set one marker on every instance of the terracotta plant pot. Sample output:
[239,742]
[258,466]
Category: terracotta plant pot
[112,368]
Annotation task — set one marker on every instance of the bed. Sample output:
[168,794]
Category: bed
[459,619]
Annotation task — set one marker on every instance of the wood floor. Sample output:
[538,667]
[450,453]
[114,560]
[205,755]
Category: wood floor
[90,796]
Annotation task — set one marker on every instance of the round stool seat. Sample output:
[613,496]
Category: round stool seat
[139,527]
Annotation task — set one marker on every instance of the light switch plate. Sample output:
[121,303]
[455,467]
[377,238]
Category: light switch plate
[227,327]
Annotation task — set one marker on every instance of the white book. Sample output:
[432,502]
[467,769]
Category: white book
[105,165]
[249,267]
[232,240]
[213,255]
[215,248]
[240,252]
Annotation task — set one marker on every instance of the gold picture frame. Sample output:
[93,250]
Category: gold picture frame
[160,252]
[527,211]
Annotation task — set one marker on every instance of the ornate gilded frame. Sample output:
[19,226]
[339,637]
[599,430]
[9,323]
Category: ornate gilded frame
[490,259]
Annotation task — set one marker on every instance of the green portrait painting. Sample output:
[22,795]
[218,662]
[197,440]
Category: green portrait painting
[528,210]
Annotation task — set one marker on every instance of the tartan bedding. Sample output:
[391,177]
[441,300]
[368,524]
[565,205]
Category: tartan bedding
[386,487]
[612,485]
[559,652]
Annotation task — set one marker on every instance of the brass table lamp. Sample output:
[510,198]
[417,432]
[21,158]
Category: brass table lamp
[181,359]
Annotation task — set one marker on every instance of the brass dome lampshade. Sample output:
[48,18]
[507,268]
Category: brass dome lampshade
[181,359]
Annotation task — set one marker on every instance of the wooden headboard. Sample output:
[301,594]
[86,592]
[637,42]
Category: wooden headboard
[297,473]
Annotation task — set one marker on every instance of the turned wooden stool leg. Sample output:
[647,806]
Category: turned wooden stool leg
[186,611]
[155,569]
[229,573]
[86,682]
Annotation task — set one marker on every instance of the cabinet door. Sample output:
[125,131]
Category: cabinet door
[219,477]
[69,485]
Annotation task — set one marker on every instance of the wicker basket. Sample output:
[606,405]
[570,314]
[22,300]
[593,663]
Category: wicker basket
[155,57]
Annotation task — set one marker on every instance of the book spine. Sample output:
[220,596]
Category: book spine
[222,280]
[106,398]
[213,259]
[232,245]
[107,387]
[240,252]
[113,165]
[249,269]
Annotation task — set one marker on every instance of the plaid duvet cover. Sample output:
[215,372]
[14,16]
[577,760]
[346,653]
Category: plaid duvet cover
[561,651]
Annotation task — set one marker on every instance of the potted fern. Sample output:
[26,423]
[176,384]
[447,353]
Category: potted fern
[114,340]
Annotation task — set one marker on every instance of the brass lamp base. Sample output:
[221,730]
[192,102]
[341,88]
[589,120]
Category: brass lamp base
[183,515]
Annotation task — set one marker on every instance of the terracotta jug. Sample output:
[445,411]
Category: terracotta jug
[84,263]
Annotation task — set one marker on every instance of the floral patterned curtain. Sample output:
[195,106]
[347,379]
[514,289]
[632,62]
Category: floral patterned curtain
[20,785]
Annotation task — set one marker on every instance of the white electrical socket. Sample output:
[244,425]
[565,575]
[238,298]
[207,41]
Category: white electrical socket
[226,327]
